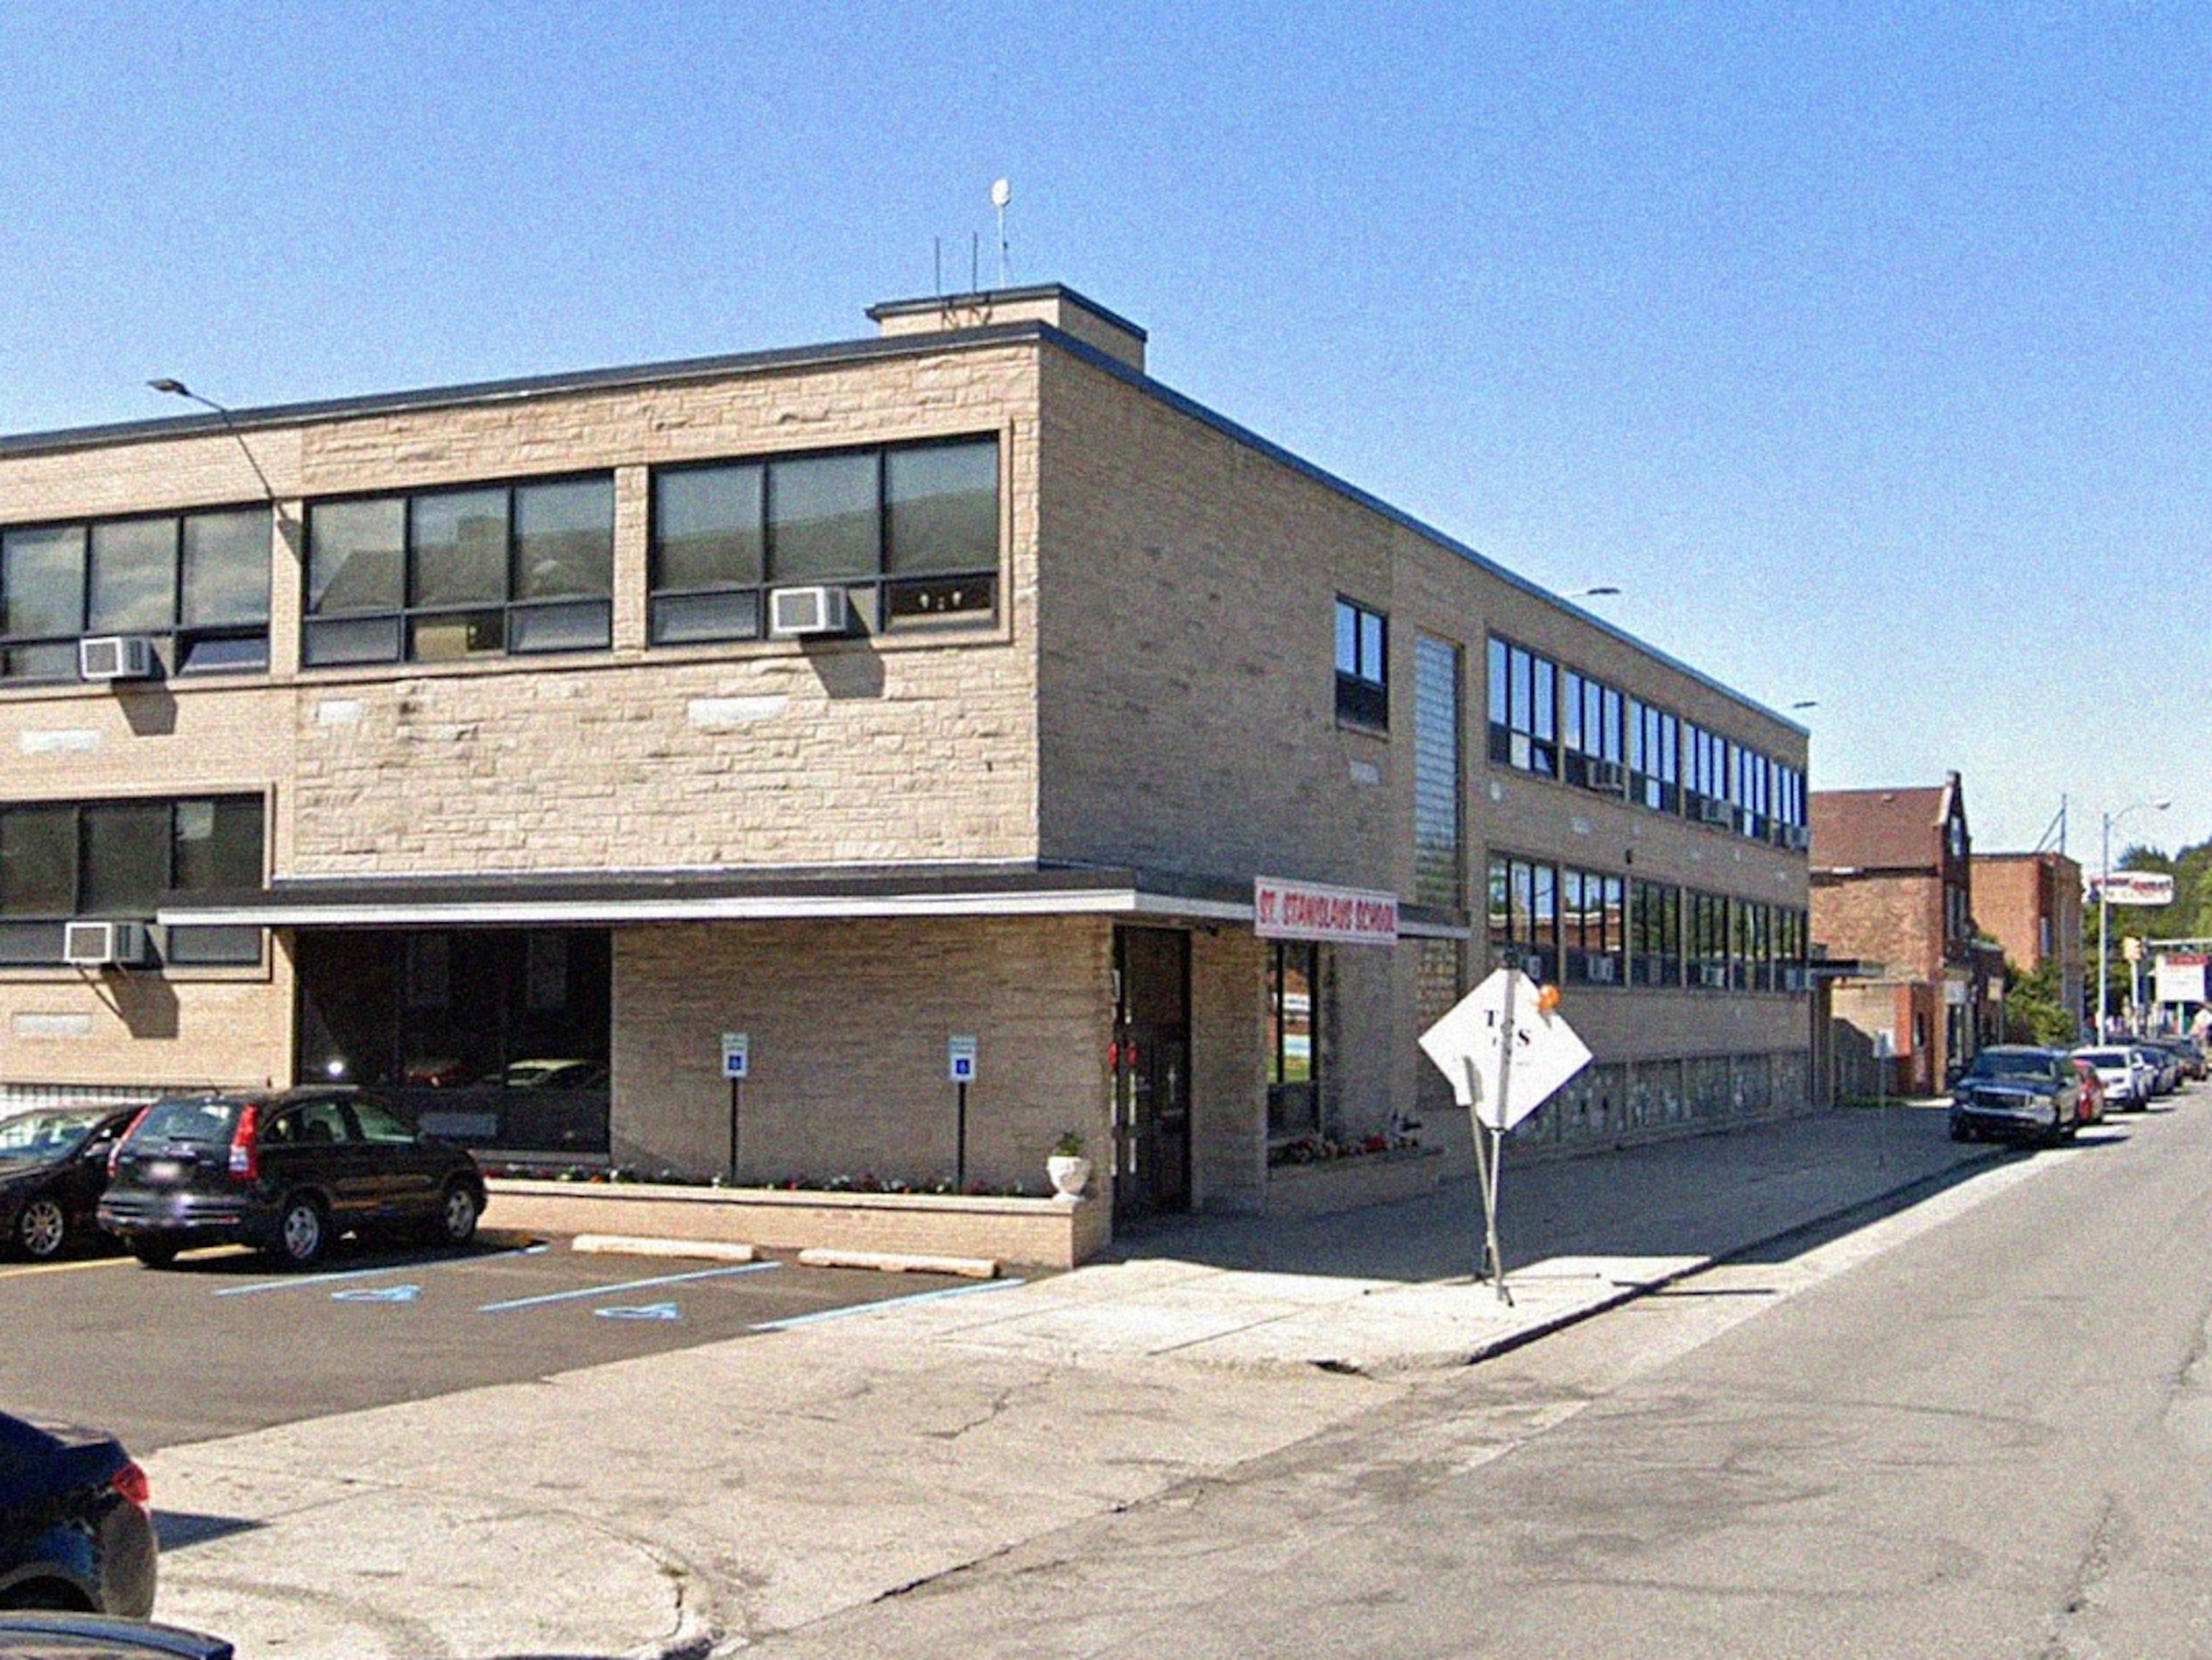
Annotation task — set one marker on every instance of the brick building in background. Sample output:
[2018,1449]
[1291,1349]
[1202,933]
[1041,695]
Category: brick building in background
[963,679]
[2030,904]
[1892,886]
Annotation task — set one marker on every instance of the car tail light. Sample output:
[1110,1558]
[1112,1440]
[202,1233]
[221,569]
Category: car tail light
[130,1481]
[246,1144]
[115,1153]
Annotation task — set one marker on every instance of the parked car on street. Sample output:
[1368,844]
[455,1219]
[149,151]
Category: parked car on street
[2123,1080]
[2017,1092]
[76,1526]
[287,1172]
[27,1636]
[2093,1092]
[53,1163]
[2165,1071]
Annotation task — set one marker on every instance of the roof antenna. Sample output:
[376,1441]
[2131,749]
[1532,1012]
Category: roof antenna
[1002,192]
[937,247]
[975,261]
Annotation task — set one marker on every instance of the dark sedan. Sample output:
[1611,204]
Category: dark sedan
[2017,1092]
[287,1172]
[76,1531]
[95,1636]
[53,1163]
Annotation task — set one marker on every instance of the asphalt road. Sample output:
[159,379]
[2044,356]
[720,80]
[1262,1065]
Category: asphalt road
[221,1344]
[1978,1426]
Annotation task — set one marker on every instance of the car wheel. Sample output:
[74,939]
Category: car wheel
[42,1229]
[456,1214]
[302,1231]
[153,1253]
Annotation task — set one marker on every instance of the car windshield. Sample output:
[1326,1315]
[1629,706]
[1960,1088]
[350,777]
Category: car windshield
[2105,1058]
[207,1121]
[45,1135]
[1994,1063]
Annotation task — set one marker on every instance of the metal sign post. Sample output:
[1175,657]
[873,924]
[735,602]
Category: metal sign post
[1504,1061]
[960,1067]
[737,1062]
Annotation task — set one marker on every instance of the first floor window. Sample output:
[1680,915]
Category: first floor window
[1655,941]
[1594,926]
[115,861]
[1293,1048]
[1524,915]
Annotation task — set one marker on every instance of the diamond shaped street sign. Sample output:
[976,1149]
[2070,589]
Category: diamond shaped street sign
[1465,1045]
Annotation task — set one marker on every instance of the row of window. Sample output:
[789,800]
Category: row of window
[1563,724]
[1592,927]
[197,584]
[60,861]
[909,533]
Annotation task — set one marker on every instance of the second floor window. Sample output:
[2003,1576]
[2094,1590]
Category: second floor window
[1363,665]
[196,584]
[443,575]
[911,532]
[1523,709]
[1591,727]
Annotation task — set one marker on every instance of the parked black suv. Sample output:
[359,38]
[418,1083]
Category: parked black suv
[287,1172]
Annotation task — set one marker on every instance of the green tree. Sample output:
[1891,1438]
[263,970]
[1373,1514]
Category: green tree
[2033,1011]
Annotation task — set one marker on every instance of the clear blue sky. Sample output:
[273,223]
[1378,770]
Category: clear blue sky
[1864,346]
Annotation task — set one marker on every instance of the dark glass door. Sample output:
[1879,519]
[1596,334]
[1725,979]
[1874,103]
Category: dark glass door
[1151,1071]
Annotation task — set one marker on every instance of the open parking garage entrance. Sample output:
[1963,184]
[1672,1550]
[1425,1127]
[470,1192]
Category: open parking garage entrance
[498,1038]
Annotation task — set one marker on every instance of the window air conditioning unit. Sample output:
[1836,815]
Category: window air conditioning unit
[115,657]
[1717,812]
[103,944]
[1608,776]
[1601,970]
[1798,838]
[1712,976]
[794,612]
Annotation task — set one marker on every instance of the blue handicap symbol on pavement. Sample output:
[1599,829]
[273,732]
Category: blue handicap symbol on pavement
[643,1311]
[378,1294]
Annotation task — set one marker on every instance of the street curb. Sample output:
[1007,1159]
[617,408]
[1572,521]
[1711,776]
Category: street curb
[1558,1322]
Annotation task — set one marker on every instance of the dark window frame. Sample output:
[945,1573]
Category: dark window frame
[1294,1105]
[1523,905]
[188,945]
[1524,708]
[175,642]
[886,601]
[511,606]
[1363,678]
[1584,701]
[1656,954]
[1593,928]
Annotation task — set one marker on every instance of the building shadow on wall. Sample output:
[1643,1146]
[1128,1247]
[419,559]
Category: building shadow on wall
[150,711]
[846,671]
[145,1003]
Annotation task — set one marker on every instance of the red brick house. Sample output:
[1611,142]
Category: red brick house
[1892,886]
[2030,904]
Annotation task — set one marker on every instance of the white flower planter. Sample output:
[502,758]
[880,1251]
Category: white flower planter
[1069,1175]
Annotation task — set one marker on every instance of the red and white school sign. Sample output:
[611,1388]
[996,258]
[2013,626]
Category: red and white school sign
[1337,916]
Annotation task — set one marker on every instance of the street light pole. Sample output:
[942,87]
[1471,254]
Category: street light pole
[2105,906]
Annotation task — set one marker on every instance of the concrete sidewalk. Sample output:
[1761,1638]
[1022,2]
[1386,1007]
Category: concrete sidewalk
[717,1494]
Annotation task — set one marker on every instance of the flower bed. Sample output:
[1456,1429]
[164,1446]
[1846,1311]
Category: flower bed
[1324,1149]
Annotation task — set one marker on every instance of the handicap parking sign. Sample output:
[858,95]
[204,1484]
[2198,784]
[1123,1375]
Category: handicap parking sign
[960,1059]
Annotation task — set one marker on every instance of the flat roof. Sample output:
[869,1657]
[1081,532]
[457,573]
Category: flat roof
[921,343]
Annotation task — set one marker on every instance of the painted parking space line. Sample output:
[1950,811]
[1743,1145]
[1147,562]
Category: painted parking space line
[64,1267]
[378,1294]
[619,1285]
[885,1303]
[300,1281]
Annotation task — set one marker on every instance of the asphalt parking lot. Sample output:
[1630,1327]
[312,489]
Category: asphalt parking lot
[220,1344]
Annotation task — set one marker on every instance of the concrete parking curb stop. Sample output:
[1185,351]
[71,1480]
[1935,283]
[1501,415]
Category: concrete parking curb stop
[891,1262]
[623,1244]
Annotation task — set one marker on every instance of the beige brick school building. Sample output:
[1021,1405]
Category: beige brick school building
[508,746]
